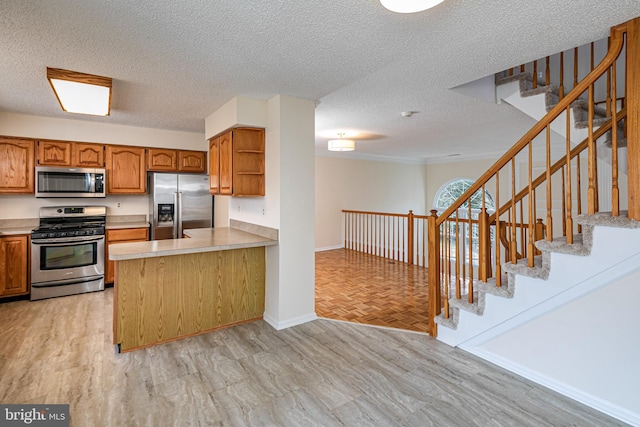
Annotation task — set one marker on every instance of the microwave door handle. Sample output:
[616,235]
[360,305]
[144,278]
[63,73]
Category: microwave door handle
[179,236]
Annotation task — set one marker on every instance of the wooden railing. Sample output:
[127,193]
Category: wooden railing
[547,204]
[403,237]
[398,237]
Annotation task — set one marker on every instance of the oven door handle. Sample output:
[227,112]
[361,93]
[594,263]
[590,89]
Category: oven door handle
[65,240]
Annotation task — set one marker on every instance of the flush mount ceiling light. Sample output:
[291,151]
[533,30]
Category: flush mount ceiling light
[409,6]
[81,93]
[342,144]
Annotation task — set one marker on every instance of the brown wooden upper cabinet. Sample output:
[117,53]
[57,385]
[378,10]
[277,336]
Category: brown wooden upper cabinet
[17,162]
[236,162]
[167,160]
[54,153]
[162,160]
[192,161]
[85,155]
[126,172]
[70,154]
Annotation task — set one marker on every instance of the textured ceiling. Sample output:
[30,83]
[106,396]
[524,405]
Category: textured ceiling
[176,62]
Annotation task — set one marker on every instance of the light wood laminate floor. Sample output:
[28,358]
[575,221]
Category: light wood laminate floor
[322,373]
[364,288]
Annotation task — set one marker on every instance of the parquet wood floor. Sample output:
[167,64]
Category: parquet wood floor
[363,288]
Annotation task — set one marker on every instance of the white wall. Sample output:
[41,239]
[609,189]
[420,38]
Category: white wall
[12,124]
[366,185]
[221,211]
[587,349]
[26,206]
[295,121]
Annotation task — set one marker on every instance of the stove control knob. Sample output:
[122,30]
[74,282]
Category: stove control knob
[59,210]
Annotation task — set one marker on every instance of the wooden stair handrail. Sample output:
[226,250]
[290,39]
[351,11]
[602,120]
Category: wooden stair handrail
[617,42]
[375,213]
[559,164]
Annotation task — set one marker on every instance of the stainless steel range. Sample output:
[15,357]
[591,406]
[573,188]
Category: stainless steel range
[67,251]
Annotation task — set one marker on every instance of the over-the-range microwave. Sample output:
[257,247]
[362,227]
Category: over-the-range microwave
[69,182]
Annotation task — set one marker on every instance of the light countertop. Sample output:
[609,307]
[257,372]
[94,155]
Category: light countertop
[115,222]
[15,227]
[16,231]
[121,225]
[201,240]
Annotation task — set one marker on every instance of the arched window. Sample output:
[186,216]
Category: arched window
[450,191]
[446,196]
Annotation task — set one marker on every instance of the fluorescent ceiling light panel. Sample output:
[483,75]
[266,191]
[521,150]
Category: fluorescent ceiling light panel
[81,93]
[409,6]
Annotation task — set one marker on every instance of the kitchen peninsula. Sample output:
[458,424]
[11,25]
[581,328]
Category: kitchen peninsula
[169,289]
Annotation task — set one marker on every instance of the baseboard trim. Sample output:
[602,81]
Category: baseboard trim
[329,248]
[277,325]
[603,406]
[374,326]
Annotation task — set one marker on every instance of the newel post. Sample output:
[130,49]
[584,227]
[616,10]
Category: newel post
[433,237]
[633,116]
[410,237]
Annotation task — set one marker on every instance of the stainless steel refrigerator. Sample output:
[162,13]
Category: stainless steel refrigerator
[178,202]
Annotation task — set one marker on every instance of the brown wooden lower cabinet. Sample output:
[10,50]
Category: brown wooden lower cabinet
[160,299]
[14,273]
[121,235]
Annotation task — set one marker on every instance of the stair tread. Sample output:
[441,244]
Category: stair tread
[538,271]
[606,219]
[451,322]
[560,245]
[475,307]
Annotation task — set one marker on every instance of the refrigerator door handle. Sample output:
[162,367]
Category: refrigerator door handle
[179,235]
[176,214]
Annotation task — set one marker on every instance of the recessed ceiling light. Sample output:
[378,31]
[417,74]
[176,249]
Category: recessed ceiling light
[409,6]
[81,93]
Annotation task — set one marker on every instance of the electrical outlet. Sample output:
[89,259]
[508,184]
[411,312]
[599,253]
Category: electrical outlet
[119,204]
[238,208]
[263,212]
[539,74]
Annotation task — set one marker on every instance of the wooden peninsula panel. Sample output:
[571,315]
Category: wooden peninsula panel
[160,299]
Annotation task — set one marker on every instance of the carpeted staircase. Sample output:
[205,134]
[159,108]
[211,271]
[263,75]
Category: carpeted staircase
[581,247]
[579,109]
[570,320]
